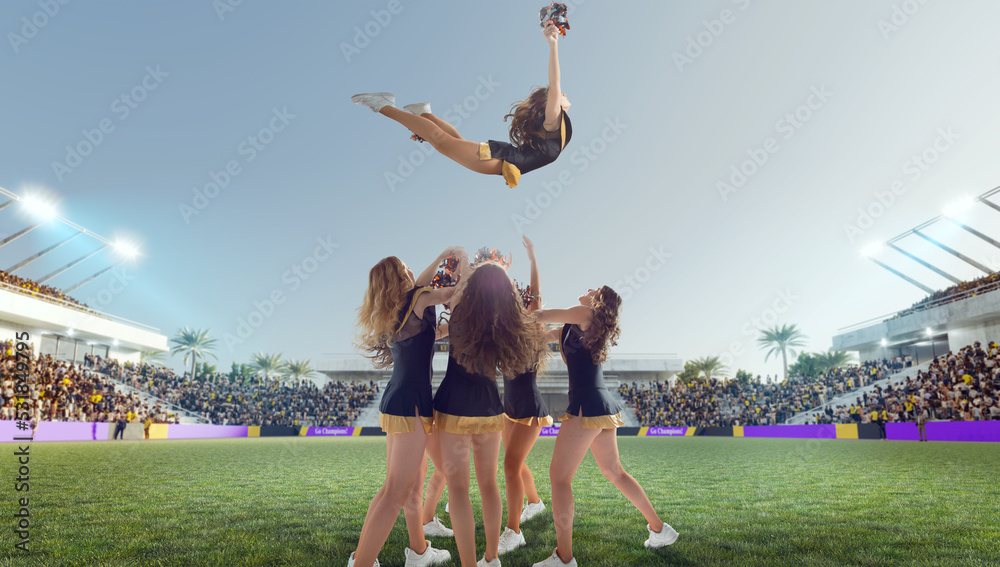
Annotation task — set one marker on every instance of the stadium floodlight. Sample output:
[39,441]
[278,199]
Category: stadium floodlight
[114,342]
[871,249]
[929,332]
[70,332]
[126,249]
[884,342]
[958,207]
[39,208]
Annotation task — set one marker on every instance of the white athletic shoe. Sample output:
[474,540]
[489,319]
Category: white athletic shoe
[430,556]
[418,108]
[663,538]
[554,561]
[375,101]
[484,563]
[531,510]
[350,562]
[510,540]
[435,528]
[446,504]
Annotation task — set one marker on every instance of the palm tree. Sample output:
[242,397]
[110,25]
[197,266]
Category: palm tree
[833,359]
[710,365]
[193,344]
[267,363]
[152,357]
[781,339]
[297,369]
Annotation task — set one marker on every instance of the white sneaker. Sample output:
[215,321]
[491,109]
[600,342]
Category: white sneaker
[435,528]
[663,538]
[531,510]
[554,561]
[375,101]
[510,540]
[350,562]
[430,556]
[446,507]
[418,108]
[484,563]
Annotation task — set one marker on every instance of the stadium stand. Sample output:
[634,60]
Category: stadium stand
[31,287]
[954,293]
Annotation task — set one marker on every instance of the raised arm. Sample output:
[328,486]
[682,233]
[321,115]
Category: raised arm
[427,276]
[536,290]
[576,315]
[464,270]
[553,107]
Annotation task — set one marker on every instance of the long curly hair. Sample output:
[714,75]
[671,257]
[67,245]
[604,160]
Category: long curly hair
[489,332]
[378,316]
[527,116]
[603,332]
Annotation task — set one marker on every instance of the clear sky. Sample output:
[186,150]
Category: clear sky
[832,99]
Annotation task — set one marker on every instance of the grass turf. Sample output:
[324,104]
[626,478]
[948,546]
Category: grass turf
[301,501]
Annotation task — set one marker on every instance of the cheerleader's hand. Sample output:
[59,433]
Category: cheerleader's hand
[551,33]
[529,246]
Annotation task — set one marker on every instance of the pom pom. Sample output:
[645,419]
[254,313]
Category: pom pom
[555,13]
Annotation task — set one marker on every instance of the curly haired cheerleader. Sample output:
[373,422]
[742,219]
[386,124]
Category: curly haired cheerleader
[396,326]
[539,128]
[526,414]
[489,335]
[591,419]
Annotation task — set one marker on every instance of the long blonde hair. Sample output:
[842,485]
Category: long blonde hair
[489,332]
[378,316]
[604,330]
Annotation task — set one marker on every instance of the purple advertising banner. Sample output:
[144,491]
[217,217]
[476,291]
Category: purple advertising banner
[549,431]
[205,431]
[71,431]
[330,431]
[981,431]
[791,431]
[666,432]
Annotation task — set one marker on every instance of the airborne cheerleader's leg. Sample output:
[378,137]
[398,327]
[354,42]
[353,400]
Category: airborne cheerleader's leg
[464,152]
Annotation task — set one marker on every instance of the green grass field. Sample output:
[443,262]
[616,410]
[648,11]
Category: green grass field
[301,501]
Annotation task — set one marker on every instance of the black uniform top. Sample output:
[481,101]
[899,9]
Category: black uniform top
[529,158]
[586,379]
[467,394]
[412,350]
[521,397]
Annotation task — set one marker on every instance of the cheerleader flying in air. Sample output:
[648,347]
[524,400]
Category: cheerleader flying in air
[539,126]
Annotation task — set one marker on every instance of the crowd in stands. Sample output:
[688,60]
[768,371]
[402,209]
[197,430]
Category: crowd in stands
[224,400]
[984,284]
[34,288]
[962,386]
[715,402]
[63,391]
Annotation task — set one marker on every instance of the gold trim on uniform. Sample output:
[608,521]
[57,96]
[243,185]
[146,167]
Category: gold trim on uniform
[511,174]
[467,425]
[484,151]
[599,421]
[402,423]
[532,421]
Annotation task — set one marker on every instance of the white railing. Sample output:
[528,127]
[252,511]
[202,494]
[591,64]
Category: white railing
[994,286]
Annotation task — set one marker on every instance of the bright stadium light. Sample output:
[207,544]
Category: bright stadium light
[929,331]
[871,249]
[885,342]
[39,208]
[126,249]
[70,332]
[958,207]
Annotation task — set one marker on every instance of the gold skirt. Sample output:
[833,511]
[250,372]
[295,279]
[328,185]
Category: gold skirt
[402,424]
[467,425]
[532,421]
[511,174]
[598,421]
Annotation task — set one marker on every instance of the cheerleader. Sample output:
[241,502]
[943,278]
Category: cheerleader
[488,334]
[539,128]
[591,419]
[396,326]
[526,413]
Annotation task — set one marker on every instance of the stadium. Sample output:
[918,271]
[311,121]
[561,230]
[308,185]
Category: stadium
[184,248]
